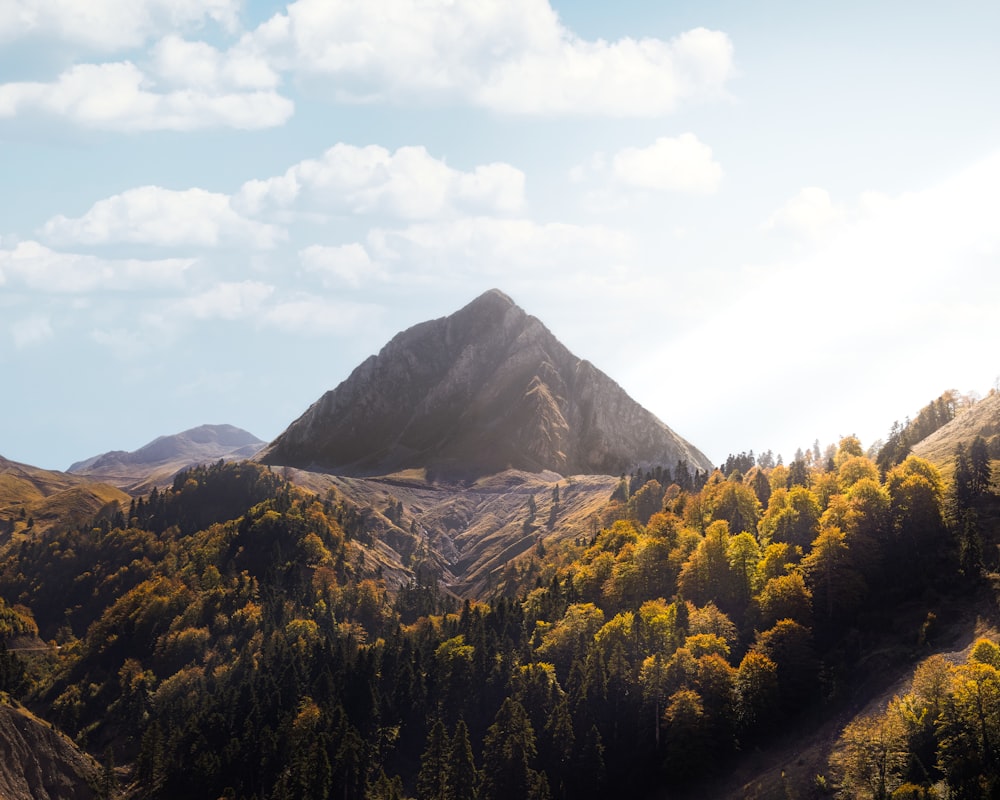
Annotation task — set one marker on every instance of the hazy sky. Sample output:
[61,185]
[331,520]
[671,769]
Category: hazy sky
[770,226]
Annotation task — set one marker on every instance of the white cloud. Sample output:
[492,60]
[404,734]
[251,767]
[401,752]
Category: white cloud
[342,264]
[31,330]
[198,65]
[810,213]
[118,96]
[157,216]
[36,267]
[314,316]
[627,78]
[512,56]
[109,25]
[500,248]
[407,183]
[227,301]
[680,164]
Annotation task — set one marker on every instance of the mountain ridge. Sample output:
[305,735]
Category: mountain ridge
[156,462]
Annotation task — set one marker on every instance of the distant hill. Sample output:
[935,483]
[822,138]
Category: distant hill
[42,498]
[484,390]
[980,419]
[156,463]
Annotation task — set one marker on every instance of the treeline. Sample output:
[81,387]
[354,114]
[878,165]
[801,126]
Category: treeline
[227,640]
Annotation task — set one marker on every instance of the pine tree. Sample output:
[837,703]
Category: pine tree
[432,781]
[508,751]
[462,775]
[981,476]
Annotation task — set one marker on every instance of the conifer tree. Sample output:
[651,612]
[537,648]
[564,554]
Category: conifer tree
[508,752]
[462,776]
[979,467]
[432,782]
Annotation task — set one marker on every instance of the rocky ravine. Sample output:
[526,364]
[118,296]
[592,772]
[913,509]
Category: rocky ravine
[470,533]
[486,389]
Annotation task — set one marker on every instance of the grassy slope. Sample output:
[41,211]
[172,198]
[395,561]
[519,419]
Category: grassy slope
[982,419]
[49,497]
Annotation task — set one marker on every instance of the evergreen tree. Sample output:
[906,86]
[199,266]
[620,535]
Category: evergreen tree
[462,776]
[508,752]
[980,472]
[432,782]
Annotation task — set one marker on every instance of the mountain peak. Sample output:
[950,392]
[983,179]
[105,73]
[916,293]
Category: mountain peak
[494,298]
[483,390]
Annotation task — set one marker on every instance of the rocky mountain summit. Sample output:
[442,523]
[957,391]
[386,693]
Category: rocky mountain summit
[486,389]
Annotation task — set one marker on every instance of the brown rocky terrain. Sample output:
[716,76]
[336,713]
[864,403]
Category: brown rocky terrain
[468,533]
[484,390]
[37,762]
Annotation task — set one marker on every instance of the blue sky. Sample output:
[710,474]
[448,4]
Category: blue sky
[770,226]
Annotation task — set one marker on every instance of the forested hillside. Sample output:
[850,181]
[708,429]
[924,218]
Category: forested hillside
[225,638]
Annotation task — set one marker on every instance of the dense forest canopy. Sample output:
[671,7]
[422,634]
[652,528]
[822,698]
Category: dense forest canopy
[224,637]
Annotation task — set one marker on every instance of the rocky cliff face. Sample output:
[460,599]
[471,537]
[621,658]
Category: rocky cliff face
[486,389]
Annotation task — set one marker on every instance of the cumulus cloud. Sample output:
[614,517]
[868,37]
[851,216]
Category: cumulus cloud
[118,96]
[157,216]
[347,264]
[810,213]
[681,164]
[512,56]
[226,301]
[31,330]
[197,65]
[627,78]
[36,267]
[408,183]
[108,25]
[315,316]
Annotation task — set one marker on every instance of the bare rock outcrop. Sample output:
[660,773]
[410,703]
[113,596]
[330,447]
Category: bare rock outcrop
[486,389]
